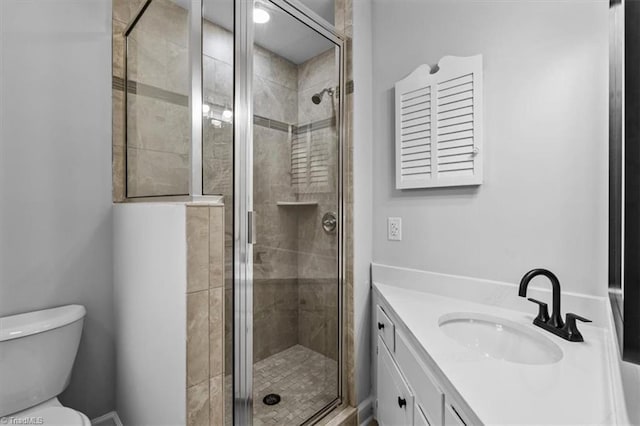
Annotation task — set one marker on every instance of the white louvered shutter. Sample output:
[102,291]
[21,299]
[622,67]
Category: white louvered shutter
[448,128]
[413,129]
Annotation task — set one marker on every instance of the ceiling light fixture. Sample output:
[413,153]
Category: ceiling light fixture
[227,113]
[205,109]
[260,16]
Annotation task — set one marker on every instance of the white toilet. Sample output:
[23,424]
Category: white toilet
[37,351]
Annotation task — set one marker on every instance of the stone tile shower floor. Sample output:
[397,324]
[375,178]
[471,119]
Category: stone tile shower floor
[305,380]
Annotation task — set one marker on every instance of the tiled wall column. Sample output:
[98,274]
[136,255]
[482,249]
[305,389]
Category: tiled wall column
[205,315]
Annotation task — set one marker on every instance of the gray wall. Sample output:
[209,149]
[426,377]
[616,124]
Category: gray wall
[55,176]
[544,199]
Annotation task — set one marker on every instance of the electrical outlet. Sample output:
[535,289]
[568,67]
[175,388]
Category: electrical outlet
[394,228]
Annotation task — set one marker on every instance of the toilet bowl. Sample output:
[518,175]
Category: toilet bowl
[49,413]
[38,351]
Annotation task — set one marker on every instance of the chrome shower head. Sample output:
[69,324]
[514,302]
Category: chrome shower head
[317,98]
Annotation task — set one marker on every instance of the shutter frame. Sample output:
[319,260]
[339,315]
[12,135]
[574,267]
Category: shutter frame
[455,119]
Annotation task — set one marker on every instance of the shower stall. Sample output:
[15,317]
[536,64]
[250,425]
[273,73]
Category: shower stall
[244,100]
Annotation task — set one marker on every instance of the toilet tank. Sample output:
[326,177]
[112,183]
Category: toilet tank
[37,351]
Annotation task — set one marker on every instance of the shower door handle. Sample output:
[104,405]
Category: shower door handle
[251,225]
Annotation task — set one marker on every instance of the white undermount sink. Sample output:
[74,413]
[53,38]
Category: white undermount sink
[499,338]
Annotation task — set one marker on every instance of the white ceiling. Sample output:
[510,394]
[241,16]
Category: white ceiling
[283,34]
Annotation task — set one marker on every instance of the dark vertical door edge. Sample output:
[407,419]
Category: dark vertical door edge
[631,306]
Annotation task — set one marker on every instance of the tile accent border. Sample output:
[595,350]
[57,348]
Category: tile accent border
[154,92]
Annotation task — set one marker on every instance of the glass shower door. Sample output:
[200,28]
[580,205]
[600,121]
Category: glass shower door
[296,206]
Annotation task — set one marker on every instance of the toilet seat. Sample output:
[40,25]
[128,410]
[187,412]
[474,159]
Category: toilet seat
[58,416]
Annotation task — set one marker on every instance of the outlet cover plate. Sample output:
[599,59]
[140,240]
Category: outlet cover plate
[394,229]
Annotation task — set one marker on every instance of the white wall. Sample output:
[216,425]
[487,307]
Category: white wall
[544,200]
[150,279]
[363,194]
[55,176]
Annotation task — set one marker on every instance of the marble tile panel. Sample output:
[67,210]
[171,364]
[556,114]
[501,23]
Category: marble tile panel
[275,68]
[272,165]
[273,263]
[216,247]
[348,14]
[118,189]
[349,61]
[224,83]
[197,248]
[319,69]
[308,112]
[117,117]
[216,401]
[348,31]
[197,337]
[147,58]
[284,72]
[118,48]
[216,331]
[339,8]
[124,10]
[217,177]
[318,330]
[262,62]
[318,294]
[198,403]
[275,316]
[208,76]
[178,79]
[156,173]
[217,42]
[217,82]
[274,101]
[218,142]
[165,20]
[176,19]
[158,125]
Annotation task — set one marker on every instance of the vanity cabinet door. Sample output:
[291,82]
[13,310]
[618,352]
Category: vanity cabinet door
[419,417]
[451,416]
[427,392]
[385,329]
[395,401]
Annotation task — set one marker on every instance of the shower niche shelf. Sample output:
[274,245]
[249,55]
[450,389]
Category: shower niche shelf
[297,203]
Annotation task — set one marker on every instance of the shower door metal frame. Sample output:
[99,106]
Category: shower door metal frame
[244,228]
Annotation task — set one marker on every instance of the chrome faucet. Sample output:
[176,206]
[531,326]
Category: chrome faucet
[553,324]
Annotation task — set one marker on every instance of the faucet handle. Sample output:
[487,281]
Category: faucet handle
[543,312]
[571,328]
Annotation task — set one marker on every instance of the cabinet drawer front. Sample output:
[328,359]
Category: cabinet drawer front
[419,417]
[451,416]
[395,400]
[427,393]
[386,329]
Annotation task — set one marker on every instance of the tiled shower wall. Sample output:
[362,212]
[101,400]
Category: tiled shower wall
[205,315]
[291,288]
[275,261]
[158,127]
[317,249]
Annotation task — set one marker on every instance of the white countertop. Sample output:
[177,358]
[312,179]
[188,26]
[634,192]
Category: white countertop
[575,390]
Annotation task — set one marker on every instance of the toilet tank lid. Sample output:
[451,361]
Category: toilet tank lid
[21,325]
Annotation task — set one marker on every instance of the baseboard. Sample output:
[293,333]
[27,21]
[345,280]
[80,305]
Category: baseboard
[109,419]
[365,411]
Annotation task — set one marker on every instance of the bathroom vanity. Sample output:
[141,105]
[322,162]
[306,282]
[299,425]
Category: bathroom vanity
[451,351]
